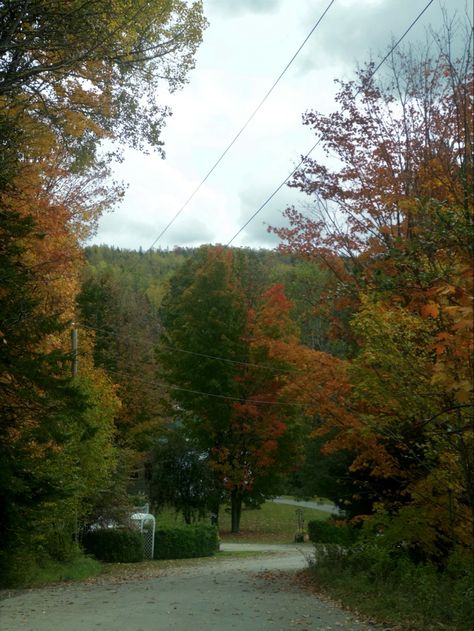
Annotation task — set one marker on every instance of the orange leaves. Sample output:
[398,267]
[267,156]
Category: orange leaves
[442,342]
[392,224]
[430,310]
[273,321]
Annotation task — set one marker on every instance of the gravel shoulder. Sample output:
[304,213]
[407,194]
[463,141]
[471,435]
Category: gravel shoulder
[241,593]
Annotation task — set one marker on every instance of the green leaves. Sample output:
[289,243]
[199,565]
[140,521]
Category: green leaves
[223,378]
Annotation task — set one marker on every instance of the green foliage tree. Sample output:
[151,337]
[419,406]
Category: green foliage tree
[102,61]
[181,477]
[221,377]
[71,74]
[125,328]
[55,435]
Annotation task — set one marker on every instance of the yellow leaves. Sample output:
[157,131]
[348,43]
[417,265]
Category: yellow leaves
[463,392]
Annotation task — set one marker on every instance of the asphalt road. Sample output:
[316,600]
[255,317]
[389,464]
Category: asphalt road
[223,594]
[326,508]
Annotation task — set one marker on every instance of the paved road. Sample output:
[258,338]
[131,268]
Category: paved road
[326,508]
[232,594]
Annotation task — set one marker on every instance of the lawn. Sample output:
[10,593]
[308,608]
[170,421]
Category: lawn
[272,523]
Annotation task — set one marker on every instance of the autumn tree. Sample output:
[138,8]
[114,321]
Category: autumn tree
[220,376]
[401,198]
[71,74]
[125,328]
[55,436]
[98,62]
[391,224]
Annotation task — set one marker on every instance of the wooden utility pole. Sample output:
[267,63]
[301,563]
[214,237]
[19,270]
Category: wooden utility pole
[74,351]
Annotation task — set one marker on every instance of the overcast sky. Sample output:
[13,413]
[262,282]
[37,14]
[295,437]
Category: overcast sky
[246,46]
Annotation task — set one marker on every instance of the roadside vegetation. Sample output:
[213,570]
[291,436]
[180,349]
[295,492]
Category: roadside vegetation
[392,589]
[271,523]
[36,572]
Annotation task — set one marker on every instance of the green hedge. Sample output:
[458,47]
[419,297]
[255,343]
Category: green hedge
[114,545]
[186,542]
[328,532]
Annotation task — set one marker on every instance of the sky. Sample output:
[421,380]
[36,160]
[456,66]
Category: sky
[245,48]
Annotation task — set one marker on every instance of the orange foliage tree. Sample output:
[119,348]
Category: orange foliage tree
[392,224]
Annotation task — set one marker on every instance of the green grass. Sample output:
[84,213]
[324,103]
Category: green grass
[49,571]
[272,523]
[398,592]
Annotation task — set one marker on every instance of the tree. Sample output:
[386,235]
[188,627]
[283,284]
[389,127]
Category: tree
[96,64]
[401,198]
[181,476]
[419,457]
[328,475]
[55,436]
[71,74]
[125,329]
[223,383]
[391,225]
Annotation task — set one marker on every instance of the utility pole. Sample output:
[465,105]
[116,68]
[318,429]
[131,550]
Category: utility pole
[74,350]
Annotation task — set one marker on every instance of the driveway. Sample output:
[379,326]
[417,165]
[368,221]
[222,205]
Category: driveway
[326,508]
[222,594]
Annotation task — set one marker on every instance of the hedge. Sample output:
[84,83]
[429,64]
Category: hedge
[328,532]
[186,542]
[114,545]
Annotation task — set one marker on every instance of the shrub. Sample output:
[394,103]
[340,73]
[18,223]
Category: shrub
[114,545]
[329,532]
[17,567]
[186,542]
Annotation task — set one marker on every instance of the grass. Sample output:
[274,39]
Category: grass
[399,593]
[37,574]
[272,523]
[275,523]
[313,498]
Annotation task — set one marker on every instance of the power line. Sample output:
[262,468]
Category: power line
[156,384]
[230,145]
[305,157]
[196,354]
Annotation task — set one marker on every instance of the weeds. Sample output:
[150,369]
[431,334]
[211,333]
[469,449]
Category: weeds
[396,590]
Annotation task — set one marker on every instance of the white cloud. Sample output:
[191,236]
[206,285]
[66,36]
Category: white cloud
[237,7]
[357,31]
[245,48]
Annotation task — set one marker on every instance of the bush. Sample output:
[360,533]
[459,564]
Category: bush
[329,532]
[114,545]
[17,567]
[186,542]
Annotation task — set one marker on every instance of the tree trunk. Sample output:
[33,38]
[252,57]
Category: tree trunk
[236,509]
[215,515]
